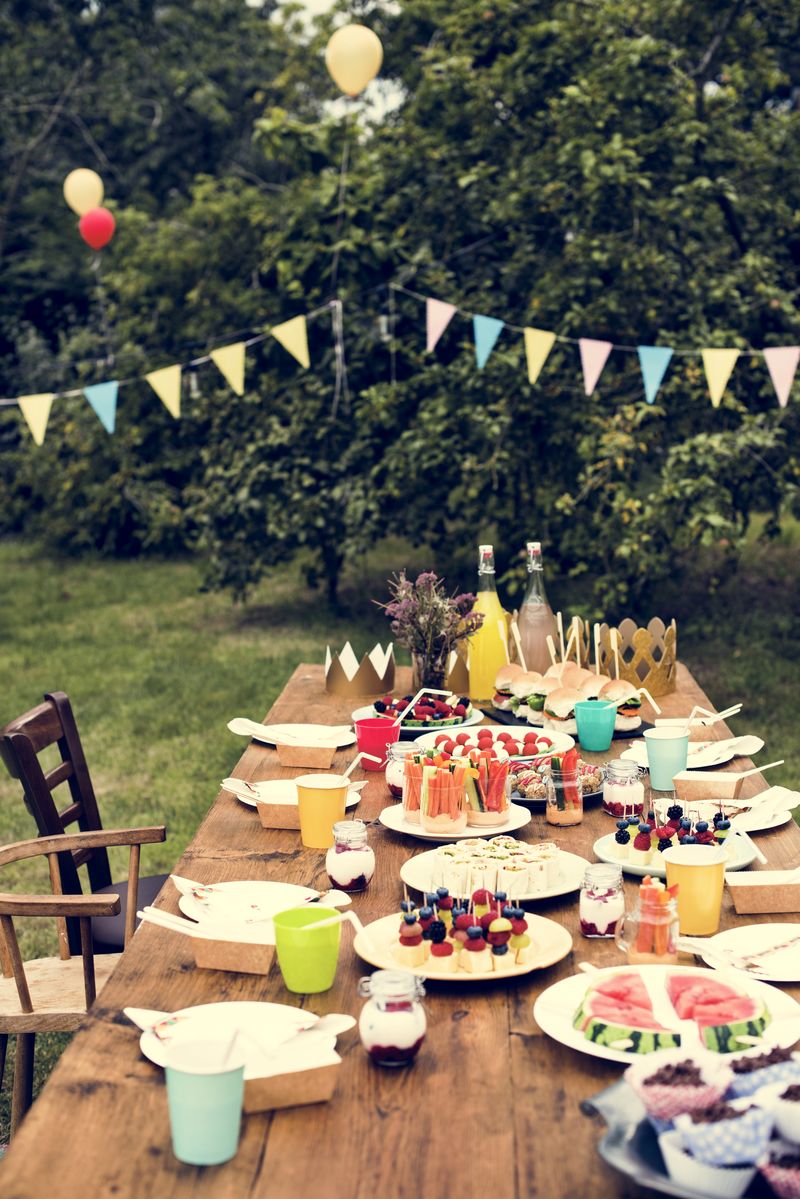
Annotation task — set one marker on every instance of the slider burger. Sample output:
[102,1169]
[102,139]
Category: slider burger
[559,709]
[529,691]
[590,688]
[502,686]
[629,706]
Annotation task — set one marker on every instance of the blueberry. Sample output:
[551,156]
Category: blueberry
[407,905]
[425,913]
[500,896]
[686,823]
[622,824]
[473,933]
[442,892]
[499,950]
[702,826]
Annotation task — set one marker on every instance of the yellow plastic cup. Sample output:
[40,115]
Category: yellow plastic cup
[321,800]
[699,871]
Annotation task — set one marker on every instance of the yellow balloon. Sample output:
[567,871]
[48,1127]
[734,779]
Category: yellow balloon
[83,189]
[353,57]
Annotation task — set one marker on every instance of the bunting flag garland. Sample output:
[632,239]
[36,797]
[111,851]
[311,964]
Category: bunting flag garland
[782,364]
[103,398]
[718,366]
[593,358]
[486,330]
[293,336]
[230,361]
[166,383]
[538,344]
[438,316]
[36,410]
[653,361]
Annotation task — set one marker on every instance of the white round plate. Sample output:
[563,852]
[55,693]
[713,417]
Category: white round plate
[701,756]
[783,966]
[297,734]
[423,873]
[555,1009]
[742,855]
[394,819]
[243,902]
[561,742]
[551,943]
[759,822]
[266,1026]
[408,731]
[279,791]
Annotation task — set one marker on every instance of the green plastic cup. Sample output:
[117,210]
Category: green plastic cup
[667,754]
[595,720]
[204,1101]
[307,956]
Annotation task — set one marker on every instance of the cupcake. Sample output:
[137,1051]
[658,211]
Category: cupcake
[752,1071]
[781,1168]
[718,1182]
[783,1101]
[672,1082]
[726,1135]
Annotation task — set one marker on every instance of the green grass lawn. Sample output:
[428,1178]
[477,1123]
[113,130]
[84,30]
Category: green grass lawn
[155,668]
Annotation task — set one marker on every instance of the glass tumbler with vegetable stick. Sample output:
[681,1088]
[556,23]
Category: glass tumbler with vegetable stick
[564,789]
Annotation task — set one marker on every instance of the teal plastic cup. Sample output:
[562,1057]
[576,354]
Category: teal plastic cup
[595,720]
[667,754]
[307,956]
[204,1101]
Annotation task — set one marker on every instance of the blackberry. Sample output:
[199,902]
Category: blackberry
[665,843]
[379,705]
[675,812]
[622,837]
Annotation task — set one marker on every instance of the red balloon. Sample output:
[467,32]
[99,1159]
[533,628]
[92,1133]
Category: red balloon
[96,227]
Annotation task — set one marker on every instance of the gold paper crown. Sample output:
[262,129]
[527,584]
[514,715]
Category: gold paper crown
[345,676]
[647,656]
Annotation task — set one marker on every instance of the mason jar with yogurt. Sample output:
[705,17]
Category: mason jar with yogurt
[623,789]
[601,906]
[395,766]
[392,1024]
[350,861]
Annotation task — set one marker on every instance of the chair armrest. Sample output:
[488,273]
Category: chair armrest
[66,842]
[59,905]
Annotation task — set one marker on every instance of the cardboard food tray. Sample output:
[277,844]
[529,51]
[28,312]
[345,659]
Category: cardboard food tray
[278,815]
[313,757]
[240,957]
[764,891]
[291,1090]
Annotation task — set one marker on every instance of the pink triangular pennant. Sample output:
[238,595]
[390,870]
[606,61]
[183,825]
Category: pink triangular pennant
[438,317]
[593,359]
[782,363]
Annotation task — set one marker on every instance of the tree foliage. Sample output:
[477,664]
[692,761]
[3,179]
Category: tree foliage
[599,168]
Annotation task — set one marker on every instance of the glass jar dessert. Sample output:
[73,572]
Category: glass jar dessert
[623,789]
[602,901]
[350,861]
[392,1024]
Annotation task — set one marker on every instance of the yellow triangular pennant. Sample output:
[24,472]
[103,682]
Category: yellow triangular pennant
[538,344]
[718,366]
[230,360]
[36,410]
[166,383]
[293,336]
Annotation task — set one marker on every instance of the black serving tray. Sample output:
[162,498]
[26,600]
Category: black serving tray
[509,718]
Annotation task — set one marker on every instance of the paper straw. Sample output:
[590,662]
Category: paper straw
[615,646]
[339,918]
[503,630]
[358,758]
[518,644]
[422,691]
[752,845]
[560,624]
[643,691]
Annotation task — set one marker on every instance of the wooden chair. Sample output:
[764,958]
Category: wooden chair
[54,994]
[21,742]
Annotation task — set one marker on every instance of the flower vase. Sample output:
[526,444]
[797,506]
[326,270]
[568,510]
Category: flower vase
[427,672]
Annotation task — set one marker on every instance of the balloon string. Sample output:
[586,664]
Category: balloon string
[340,206]
[101,303]
[341,387]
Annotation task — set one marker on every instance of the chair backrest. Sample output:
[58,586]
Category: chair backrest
[21,741]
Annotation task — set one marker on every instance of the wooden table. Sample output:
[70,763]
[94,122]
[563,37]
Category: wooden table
[490,1109]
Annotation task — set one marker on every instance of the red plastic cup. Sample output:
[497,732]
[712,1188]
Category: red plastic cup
[374,735]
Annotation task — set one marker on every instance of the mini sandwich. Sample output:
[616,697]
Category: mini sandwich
[502,686]
[590,688]
[568,674]
[529,691]
[629,706]
[559,709]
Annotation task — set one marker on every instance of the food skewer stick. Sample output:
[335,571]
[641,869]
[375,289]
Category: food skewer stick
[615,647]
[518,643]
[560,624]
[576,629]
[568,649]
[502,629]
[551,649]
[597,649]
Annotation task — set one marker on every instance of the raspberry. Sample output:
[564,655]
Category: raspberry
[459,710]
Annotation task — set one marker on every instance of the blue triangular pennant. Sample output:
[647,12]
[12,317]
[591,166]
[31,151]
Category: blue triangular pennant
[486,330]
[103,398]
[654,361]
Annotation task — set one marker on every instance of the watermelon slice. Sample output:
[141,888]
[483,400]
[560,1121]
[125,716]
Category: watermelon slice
[617,1012]
[722,1013]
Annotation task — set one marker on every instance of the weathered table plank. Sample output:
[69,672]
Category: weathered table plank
[491,1106]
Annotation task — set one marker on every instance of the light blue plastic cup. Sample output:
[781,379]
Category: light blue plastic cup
[205,1102]
[667,754]
[595,719]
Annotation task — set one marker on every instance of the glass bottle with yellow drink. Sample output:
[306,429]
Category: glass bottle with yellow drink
[488,648]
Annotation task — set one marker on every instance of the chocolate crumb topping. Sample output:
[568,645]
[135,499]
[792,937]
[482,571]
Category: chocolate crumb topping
[792,1093]
[717,1112]
[746,1065]
[685,1074]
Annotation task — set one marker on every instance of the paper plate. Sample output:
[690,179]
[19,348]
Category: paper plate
[243,902]
[702,755]
[277,791]
[551,943]
[423,874]
[561,742]
[783,966]
[296,734]
[410,733]
[555,1009]
[742,855]
[394,819]
[265,1026]
[756,822]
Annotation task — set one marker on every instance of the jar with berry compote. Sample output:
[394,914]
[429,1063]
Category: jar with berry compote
[396,766]
[392,1024]
[350,861]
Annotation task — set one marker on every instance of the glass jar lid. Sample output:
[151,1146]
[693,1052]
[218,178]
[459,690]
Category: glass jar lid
[350,832]
[392,985]
[602,877]
[400,750]
[621,771]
